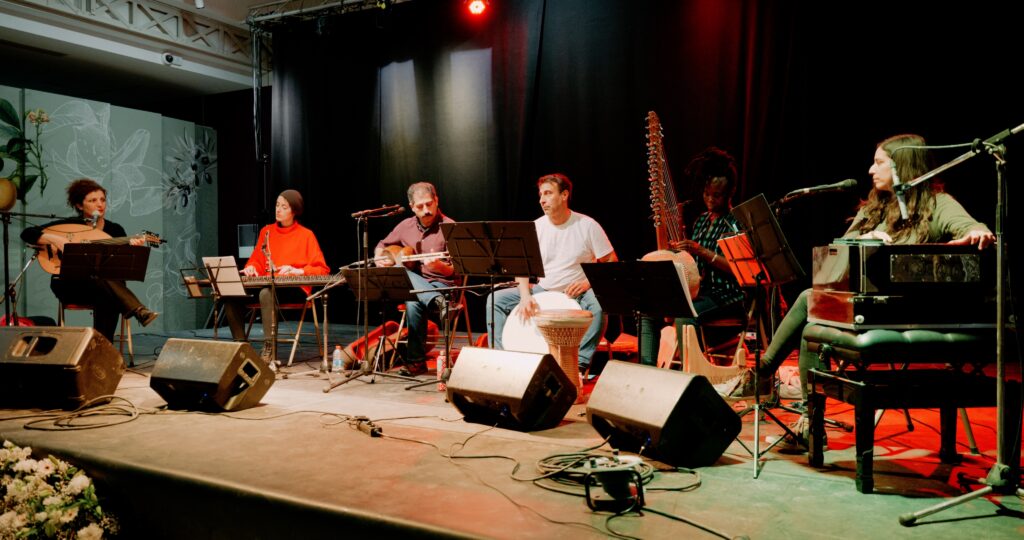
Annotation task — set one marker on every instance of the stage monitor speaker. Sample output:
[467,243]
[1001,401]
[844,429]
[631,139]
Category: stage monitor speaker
[671,416]
[210,375]
[50,367]
[515,390]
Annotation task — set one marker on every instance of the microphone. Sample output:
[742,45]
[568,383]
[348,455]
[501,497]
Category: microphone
[395,212]
[381,210]
[900,198]
[266,252]
[845,185]
[95,218]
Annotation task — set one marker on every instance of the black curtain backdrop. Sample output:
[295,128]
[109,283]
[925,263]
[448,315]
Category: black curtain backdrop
[800,92]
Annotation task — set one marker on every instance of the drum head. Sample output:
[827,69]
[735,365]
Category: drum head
[524,337]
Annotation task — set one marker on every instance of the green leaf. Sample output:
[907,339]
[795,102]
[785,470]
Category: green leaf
[8,115]
[8,131]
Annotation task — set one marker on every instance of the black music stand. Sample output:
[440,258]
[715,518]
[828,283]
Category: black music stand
[654,288]
[104,261]
[494,249]
[384,285]
[760,257]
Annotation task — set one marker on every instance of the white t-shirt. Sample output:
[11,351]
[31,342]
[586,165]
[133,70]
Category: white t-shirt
[563,247]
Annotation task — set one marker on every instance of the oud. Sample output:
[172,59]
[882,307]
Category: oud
[50,257]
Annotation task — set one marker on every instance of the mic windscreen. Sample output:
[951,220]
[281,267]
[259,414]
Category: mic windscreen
[849,183]
[400,210]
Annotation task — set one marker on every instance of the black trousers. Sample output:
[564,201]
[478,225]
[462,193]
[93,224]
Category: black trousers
[108,298]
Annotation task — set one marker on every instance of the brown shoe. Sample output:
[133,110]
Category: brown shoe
[145,316]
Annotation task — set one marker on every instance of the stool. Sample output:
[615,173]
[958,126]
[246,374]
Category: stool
[960,383]
[125,337]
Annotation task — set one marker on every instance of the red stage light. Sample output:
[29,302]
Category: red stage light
[477,7]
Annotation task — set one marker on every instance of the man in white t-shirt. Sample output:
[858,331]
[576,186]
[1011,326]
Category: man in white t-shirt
[566,239]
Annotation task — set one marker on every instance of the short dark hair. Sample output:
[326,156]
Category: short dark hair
[79,189]
[558,179]
[421,187]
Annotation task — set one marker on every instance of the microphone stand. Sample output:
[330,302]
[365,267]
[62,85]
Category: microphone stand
[273,296]
[5,216]
[1004,476]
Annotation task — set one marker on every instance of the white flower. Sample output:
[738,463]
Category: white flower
[41,516]
[53,500]
[91,531]
[45,468]
[25,465]
[69,515]
[12,521]
[78,483]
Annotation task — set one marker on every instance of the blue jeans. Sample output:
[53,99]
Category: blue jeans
[505,300]
[416,316]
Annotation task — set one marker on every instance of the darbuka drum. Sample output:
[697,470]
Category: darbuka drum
[524,336]
[563,330]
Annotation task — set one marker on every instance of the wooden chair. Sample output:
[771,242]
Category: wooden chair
[456,310]
[125,337]
[302,308]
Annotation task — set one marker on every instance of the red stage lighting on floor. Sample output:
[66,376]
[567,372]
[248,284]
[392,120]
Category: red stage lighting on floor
[477,7]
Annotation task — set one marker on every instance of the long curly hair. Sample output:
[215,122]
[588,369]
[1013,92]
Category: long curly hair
[909,162]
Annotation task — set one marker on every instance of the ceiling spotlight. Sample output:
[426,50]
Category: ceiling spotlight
[200,4]
[477,7]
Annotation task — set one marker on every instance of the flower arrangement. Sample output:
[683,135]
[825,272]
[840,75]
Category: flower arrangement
[48,498]
[26,151]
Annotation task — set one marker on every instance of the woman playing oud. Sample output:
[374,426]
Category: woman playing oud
[108,298]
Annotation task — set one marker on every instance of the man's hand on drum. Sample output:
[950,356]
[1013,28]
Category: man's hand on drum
[528,307]
[577,288]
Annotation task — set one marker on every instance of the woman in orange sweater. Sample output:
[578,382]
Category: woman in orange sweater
[293,251]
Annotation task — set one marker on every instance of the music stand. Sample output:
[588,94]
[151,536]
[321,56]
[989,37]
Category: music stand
[656,288]
[224,277]
[760,257]
[382,285]
[121,262]
[494,249]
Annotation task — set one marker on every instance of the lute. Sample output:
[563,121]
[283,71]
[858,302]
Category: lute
[50,257]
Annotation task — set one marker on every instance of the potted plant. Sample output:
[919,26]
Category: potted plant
[25,150]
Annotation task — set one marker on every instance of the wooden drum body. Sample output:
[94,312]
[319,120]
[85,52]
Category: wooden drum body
[525,336]
[563,329]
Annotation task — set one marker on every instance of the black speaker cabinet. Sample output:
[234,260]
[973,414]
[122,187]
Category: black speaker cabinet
[516,390]
[50,367]
[210,375]
[672,416]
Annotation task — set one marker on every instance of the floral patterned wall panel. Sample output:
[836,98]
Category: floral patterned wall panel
[189,195]
[136,156]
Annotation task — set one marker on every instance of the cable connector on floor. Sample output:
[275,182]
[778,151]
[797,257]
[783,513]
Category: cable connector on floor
[369,428]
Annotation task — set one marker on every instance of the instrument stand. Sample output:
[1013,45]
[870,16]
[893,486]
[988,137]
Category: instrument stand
[760,257]
[382,285]
[494,249]
[1004,476]
[655,288]
[325,365]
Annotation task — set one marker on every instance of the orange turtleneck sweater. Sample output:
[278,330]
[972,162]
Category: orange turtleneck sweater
[294,245]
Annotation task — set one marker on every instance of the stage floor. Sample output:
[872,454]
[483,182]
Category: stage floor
[295,467]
